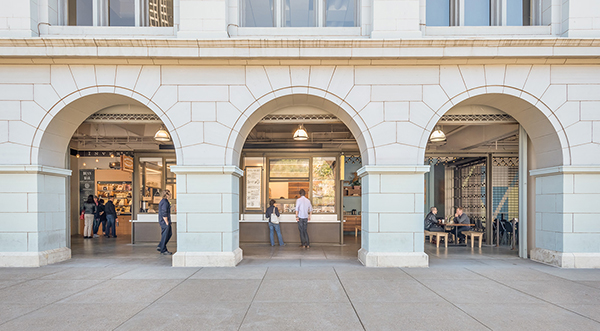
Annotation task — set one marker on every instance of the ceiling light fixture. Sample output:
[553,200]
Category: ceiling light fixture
[437,135]
[300,133]
[162,135]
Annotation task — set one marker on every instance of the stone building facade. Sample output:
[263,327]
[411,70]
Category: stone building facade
[389,79]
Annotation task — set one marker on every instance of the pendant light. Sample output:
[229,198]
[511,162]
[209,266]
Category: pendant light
[300,133]
[162,135]
[437,135]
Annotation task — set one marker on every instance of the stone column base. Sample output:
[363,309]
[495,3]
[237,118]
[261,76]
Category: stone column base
[566,260]
[207,259]
[393,260]
[34,259]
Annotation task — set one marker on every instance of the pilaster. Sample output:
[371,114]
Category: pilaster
[208,216]
[392,219]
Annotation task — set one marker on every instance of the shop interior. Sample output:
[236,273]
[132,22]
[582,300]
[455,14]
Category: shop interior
[123,151]
[474,157]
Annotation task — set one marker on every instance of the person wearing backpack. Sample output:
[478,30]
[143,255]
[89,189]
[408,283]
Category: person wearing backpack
[272,214]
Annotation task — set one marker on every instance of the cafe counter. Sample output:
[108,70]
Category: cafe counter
[147,229]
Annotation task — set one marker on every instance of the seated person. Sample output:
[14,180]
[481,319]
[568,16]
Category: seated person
[431,222]
[461,218]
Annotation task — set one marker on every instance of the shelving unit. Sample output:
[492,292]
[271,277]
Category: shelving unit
[122,191]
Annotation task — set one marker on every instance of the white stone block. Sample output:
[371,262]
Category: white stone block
[300,75]
[279,76]
[17,74]
[216,133]
[579,133]
[420,75]
[257,81]
[207,259]
[10,110]
[191,133]
[16,92]
[148,81]
[516,75]
[590,110]
[203,75]
[494,74]
[384,133]
[421,115]
[596,132]
[320,77]
[574,74]
[359,97]
[434,96]
[538,80]
[199,242]
[180,114]
[203,154]
[387,154]
[240,97]
[127,76]
[393,260]
[555,96]
[204,111]
[408,133]
[211,222]
[342,82]
[84,75]
[406,183]
[568,113]
[372,113]
[396,111]
[391,202]
[227,114]
[203,93]
[584,92]
[105,74]
[473,75]
[396,93]
[586,223]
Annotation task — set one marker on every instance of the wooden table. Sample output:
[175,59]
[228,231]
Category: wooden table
[456,226]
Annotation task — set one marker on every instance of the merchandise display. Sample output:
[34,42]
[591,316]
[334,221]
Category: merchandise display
[122,191]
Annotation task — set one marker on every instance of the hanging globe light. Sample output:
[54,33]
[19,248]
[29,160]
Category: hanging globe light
[437,135]
[300,133]
[162,135]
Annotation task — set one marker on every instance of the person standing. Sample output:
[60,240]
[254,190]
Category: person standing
[461,218]
[96,217]
[111,217]
[164,218]
[102,215]
[274,226]
[89,210]
[303,214]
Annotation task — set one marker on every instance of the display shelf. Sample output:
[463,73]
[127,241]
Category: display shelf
[121,190]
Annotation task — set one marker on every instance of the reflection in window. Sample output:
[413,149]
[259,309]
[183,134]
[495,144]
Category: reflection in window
[477,12]
[160,12]
[289,168]
[438,13]
[81,12]
[323,188]
[258,13]
[340,13]
[299,13]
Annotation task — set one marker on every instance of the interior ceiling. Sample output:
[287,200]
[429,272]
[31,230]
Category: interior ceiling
[469,129]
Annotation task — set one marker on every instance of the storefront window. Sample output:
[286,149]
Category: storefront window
[323,184]
[289,168]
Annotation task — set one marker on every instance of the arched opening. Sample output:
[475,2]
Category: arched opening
[276,167]
[482,163]
[108,142]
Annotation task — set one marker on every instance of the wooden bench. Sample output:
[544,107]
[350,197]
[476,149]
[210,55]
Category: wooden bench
[438,236]
[473,235]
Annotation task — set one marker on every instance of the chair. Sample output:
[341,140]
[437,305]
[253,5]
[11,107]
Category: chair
[439,236]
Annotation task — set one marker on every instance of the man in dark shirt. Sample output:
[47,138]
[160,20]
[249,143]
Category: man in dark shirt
[431,222]
[164,218]
[461,218]
[111,218]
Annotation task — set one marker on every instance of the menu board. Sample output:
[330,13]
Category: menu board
[87,185]
[253,187]
[126,163]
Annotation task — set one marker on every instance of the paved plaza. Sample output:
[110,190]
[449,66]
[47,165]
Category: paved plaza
[112,285]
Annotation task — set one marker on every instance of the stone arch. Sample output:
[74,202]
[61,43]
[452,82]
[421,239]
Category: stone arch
[545,130]
[55,130]
[311,97]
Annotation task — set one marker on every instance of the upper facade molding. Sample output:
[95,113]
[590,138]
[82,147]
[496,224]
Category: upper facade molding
[463,50]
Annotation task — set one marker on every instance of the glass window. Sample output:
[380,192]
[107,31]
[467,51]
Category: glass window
[323,188]
[438,13]
[289,168]
[340,13]
[258,13]
[160,12]
[300,13]
[81,12]
[514,12]
[287,190]
[151,183]
[477,12]
[121,12]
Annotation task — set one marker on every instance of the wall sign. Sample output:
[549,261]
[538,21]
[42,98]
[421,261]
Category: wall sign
[126,163]
[253,187]
[87,185]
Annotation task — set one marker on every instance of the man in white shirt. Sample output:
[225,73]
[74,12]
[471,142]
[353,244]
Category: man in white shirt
[303,214]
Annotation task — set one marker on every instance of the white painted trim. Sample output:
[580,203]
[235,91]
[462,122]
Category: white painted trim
[389,170]
[489,31]
[34,259]
[566,260]
[393,260]
[207,259]
[227,170]
[297,32]
[523,250]
[551,171]
[34,169]
[109,31]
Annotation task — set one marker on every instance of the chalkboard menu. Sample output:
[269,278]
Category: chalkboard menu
[87,185]
[253,187]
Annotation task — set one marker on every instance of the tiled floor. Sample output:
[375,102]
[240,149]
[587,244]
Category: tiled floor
[111,285]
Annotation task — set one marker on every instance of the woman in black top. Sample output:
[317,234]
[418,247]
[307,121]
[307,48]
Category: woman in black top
[102,214]
[89,211]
